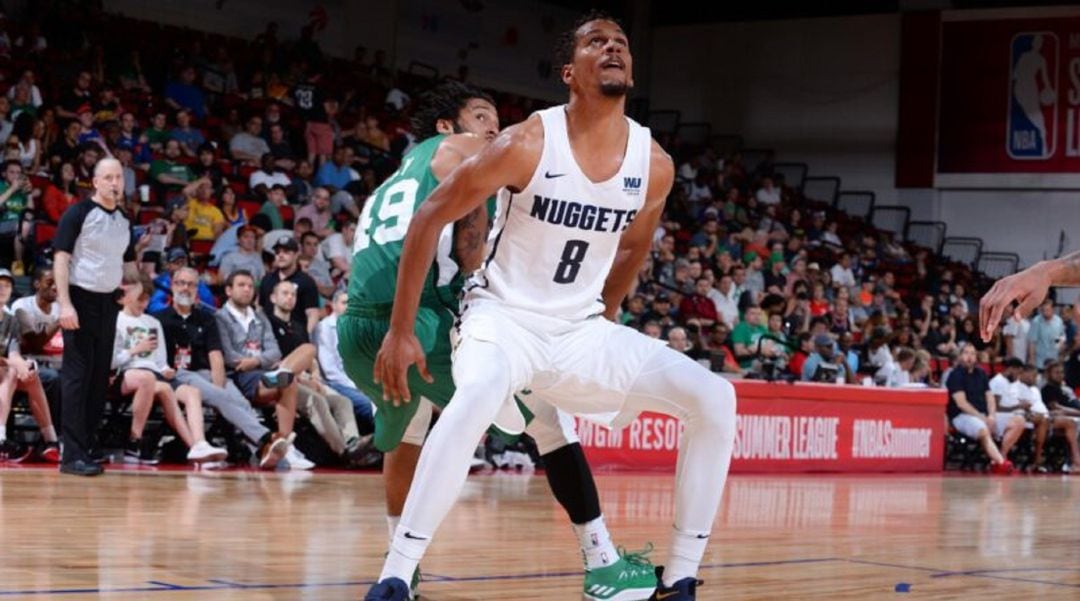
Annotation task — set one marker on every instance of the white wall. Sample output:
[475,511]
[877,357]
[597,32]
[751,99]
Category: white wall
[825,92]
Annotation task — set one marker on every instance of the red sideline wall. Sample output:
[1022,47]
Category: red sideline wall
[795,428]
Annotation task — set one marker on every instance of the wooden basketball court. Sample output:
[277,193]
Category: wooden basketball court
[165,535]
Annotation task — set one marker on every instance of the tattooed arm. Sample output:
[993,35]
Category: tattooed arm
[1028,288]
[470,234]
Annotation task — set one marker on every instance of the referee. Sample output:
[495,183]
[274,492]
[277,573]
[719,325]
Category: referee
[94,249]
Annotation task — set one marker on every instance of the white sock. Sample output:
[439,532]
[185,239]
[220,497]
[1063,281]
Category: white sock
[392,522]
[49,434]
[596,544]
[687,549]
[3,432]
[406,550]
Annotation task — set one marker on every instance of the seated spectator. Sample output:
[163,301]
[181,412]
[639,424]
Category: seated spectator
[76,96]
[84,168]
[247,146]
[335,175]
[803,347]
[17,196]
[845,345]
[972,407]
[697,308]
[275,199]
[825,364]
[128,135]
[184,94]
[204,220]
[287,267]
[746,334]
[302,184]
[157,135]
[337,247]
[176,258]
[333,368]
[190,138]
[318,211]
[253,358]
[725,298]
[39,326]
[313,263]
[661,312]
[841,272]
[247,257]
[768,193]
[267,177]
[679,341]
[88,134]
[28,79]
[193,346]
[61,195]
[66,149]
[330,413]
[280,149]
[142,370]
[1036,412]
[1010,414]
[19,374]
[168,173]
[175,218]
[206,166]
[898,374]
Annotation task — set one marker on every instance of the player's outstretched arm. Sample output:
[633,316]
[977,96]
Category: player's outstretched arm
[507,161]
[636,241]
[1029,288]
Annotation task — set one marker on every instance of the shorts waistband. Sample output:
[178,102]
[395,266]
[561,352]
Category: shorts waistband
[377,311]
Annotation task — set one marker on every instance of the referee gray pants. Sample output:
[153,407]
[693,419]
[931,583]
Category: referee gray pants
[228,401]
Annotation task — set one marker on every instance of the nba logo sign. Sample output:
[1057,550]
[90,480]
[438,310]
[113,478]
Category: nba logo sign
[1033,96]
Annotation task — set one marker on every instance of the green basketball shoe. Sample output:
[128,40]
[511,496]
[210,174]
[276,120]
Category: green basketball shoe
[632,578]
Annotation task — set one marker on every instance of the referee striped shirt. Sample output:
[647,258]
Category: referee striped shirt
[100,241]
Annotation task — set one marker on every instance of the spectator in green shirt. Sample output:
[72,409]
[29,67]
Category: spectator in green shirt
[746,334]
[272,207]
[169,175]
[16,197]
[157,134]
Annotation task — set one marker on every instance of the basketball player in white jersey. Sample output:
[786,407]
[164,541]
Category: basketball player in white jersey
[582,191]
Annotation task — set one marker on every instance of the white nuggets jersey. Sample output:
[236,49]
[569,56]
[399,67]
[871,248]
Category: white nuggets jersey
[554,242]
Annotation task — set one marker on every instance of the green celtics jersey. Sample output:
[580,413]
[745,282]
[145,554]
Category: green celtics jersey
[380,236]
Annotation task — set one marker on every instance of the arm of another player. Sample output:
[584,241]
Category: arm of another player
[1029,288]
[507,161]
[470,232]
[637,239]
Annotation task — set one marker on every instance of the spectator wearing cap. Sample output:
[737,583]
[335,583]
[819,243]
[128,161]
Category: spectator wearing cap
[204,220]
[275,199]
[168,174]
[247,256]
[267,177]
[661,312]
[287,268]
[88,134]
[176,258]
[190,138]
[825,364]
[182,93]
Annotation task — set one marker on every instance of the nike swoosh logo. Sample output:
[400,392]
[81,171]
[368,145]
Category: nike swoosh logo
[660,596]
[411,536]
[550,175]
[703,536]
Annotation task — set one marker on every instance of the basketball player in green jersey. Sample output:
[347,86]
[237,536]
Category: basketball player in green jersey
[454,122]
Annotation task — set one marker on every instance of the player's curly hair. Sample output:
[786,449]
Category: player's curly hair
[567,40]
[444,101]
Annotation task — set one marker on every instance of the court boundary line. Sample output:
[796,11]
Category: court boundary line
[221,584]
